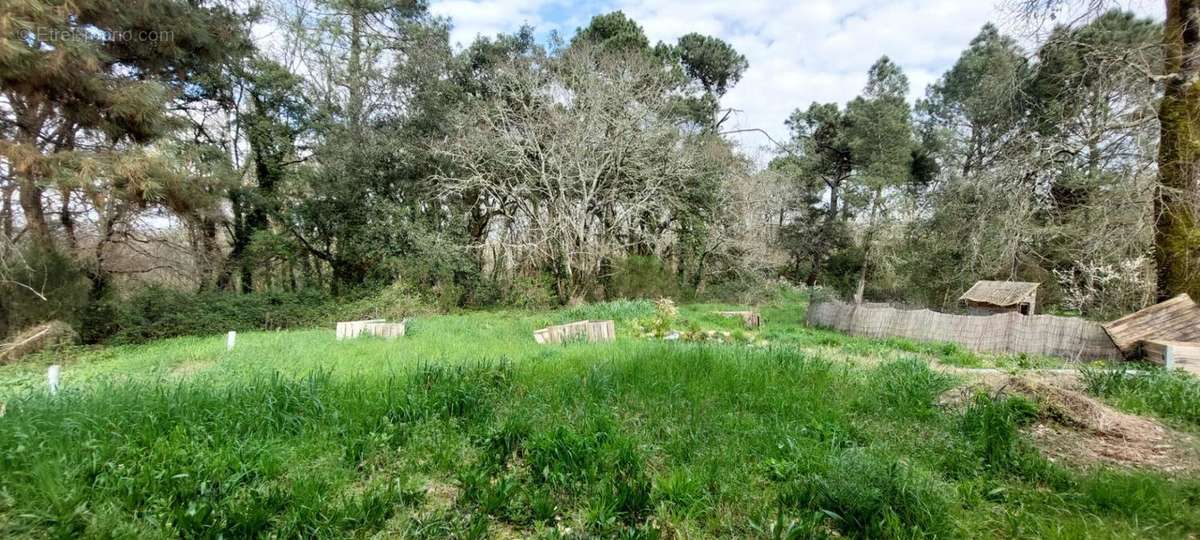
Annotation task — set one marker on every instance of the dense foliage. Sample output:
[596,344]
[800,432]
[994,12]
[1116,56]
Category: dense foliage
[162,144]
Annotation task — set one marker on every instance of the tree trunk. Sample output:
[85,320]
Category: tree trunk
[826,230]
[66,219]
[208,255]
[6,210]
[34,212]
[1176,242]
[868,242]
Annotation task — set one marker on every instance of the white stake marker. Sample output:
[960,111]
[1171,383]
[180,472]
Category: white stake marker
[52,378]
[232,337]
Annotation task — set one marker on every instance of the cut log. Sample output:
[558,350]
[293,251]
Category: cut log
[384,330]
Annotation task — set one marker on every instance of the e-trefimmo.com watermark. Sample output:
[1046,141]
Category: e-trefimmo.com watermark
[60,35]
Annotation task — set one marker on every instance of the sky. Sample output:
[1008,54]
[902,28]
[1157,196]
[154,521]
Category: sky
[800,51]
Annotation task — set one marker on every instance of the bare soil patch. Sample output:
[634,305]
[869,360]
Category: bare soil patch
[1080,430]
[191,367]
[440,495]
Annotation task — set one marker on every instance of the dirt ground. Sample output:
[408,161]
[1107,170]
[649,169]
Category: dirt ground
[1075,428]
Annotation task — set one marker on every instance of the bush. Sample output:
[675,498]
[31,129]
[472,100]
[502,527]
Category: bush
[55,276]
[617,310]
[906,387]
[534,292]
[754,289]
[395,302]
[640,276]
[157,313]
[992,424]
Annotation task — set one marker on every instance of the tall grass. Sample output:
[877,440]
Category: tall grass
[1173,395]
[465,429]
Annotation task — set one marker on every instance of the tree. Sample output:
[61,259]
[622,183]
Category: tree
[977,106]
[1177,201]
[276,117]
[863,152]
[881,144]
[1047,166]
[374,71]
[95,76]
[826,156]
[614,32]
[716,66]
[1177,206]
[581,147]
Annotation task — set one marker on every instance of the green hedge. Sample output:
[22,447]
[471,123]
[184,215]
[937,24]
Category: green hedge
[157,313]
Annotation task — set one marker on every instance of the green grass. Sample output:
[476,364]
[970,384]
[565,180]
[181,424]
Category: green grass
[467,429]
[1171,395]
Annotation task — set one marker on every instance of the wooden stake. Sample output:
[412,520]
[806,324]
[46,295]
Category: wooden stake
[52,378]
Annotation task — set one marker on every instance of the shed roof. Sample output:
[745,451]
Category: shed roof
[1177,319]
[999,293]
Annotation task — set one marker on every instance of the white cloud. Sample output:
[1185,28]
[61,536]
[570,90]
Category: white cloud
[799,51]
[472,18]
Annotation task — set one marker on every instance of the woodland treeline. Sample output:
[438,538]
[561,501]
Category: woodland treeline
[332,148]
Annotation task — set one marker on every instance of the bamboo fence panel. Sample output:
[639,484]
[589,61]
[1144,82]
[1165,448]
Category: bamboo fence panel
[1011,333]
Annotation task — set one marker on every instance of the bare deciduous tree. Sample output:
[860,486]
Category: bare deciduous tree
[574,150]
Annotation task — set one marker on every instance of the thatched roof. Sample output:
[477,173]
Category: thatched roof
[999,293]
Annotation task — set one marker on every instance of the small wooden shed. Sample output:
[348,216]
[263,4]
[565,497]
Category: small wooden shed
[992,297]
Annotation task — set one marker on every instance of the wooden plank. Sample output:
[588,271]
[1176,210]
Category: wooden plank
[384,330]
[1173,354]
[590,331]
[352,329]
[1177,319]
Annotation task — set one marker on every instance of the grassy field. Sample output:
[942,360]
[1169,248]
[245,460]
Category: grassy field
[467,429]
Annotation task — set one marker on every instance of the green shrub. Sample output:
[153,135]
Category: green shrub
[640,276]
[61,283]
[992,424]
[397,301]
[906,387]
[530,292]
[617,310]
[156,313]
